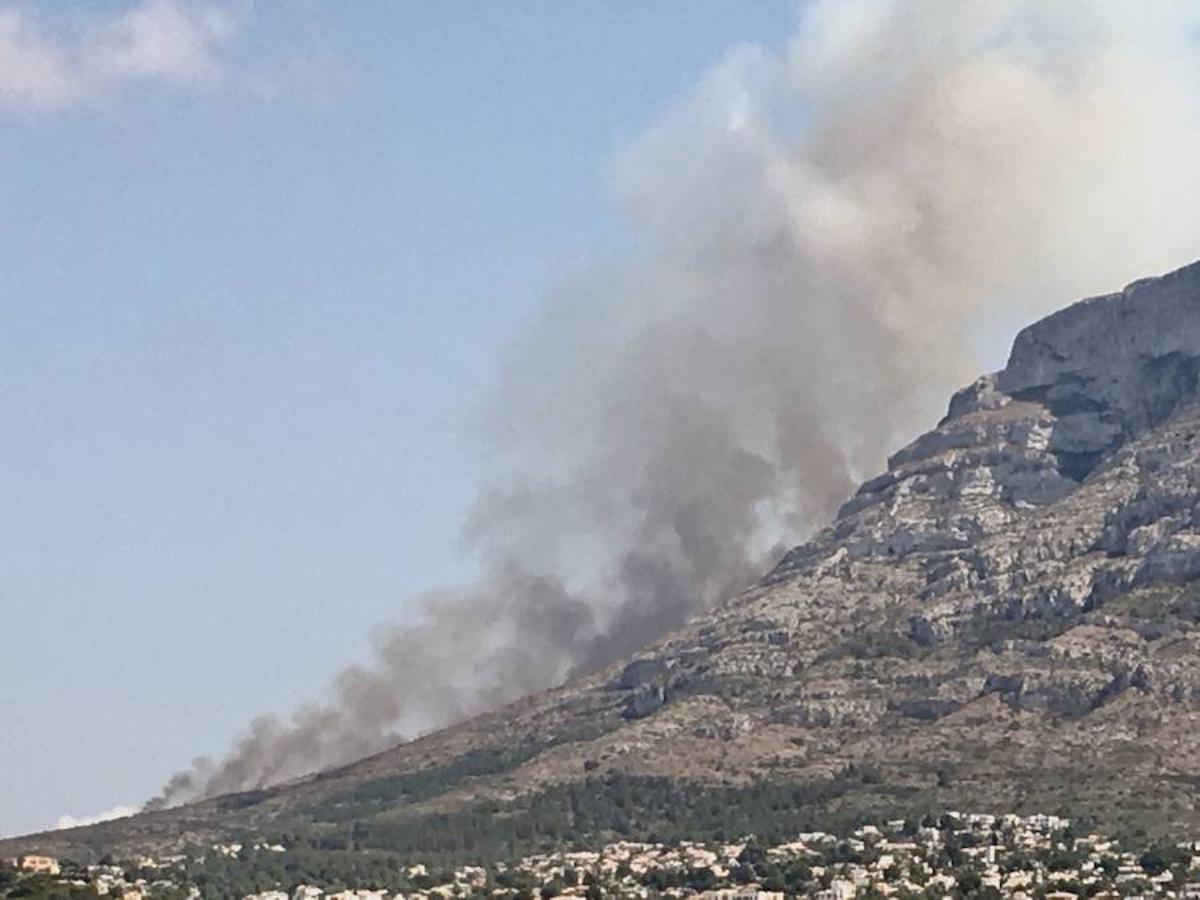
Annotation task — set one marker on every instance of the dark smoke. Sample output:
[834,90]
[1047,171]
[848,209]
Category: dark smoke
[820,233]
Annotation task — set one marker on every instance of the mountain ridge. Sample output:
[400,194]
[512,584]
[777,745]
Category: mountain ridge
[1004,615]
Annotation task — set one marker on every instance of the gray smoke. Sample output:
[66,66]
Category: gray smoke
[822,234]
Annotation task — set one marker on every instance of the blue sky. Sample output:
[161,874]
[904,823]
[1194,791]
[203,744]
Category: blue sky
[251,298]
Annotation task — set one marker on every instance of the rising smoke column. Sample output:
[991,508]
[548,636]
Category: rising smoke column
[821,232]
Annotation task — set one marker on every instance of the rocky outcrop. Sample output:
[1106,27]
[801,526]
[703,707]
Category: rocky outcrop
[1080,387]
[1112,367]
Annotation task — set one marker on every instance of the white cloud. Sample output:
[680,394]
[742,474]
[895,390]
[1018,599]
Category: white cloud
[58,62]
[117,812]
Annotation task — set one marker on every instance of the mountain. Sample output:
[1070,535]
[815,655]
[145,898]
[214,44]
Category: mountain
[1005,620]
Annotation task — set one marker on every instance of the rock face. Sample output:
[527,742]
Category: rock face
[1005,617]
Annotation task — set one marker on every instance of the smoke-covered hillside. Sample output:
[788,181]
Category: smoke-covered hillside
[1007,618]
[820,236]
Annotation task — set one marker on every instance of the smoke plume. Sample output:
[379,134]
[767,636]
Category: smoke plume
[821,235]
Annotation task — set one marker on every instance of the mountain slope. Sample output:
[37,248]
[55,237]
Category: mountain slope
[1004,619]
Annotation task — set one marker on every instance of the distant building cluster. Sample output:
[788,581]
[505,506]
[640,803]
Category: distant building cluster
[1026,858]
[308,892]
[111,880]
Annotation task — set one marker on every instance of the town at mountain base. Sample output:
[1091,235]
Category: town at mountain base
[1006,620]
[952,855]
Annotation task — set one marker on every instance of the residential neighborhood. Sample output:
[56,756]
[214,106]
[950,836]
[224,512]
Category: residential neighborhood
[1038,857]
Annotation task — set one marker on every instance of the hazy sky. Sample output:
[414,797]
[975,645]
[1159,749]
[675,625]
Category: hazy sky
[257,260]
[261,261]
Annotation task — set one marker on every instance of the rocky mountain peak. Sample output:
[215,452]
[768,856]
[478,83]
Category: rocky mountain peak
[1079,385]
[1125,360]
[1107,368]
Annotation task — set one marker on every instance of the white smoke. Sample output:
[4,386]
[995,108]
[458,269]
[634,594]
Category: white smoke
[117,812]
[819,234]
